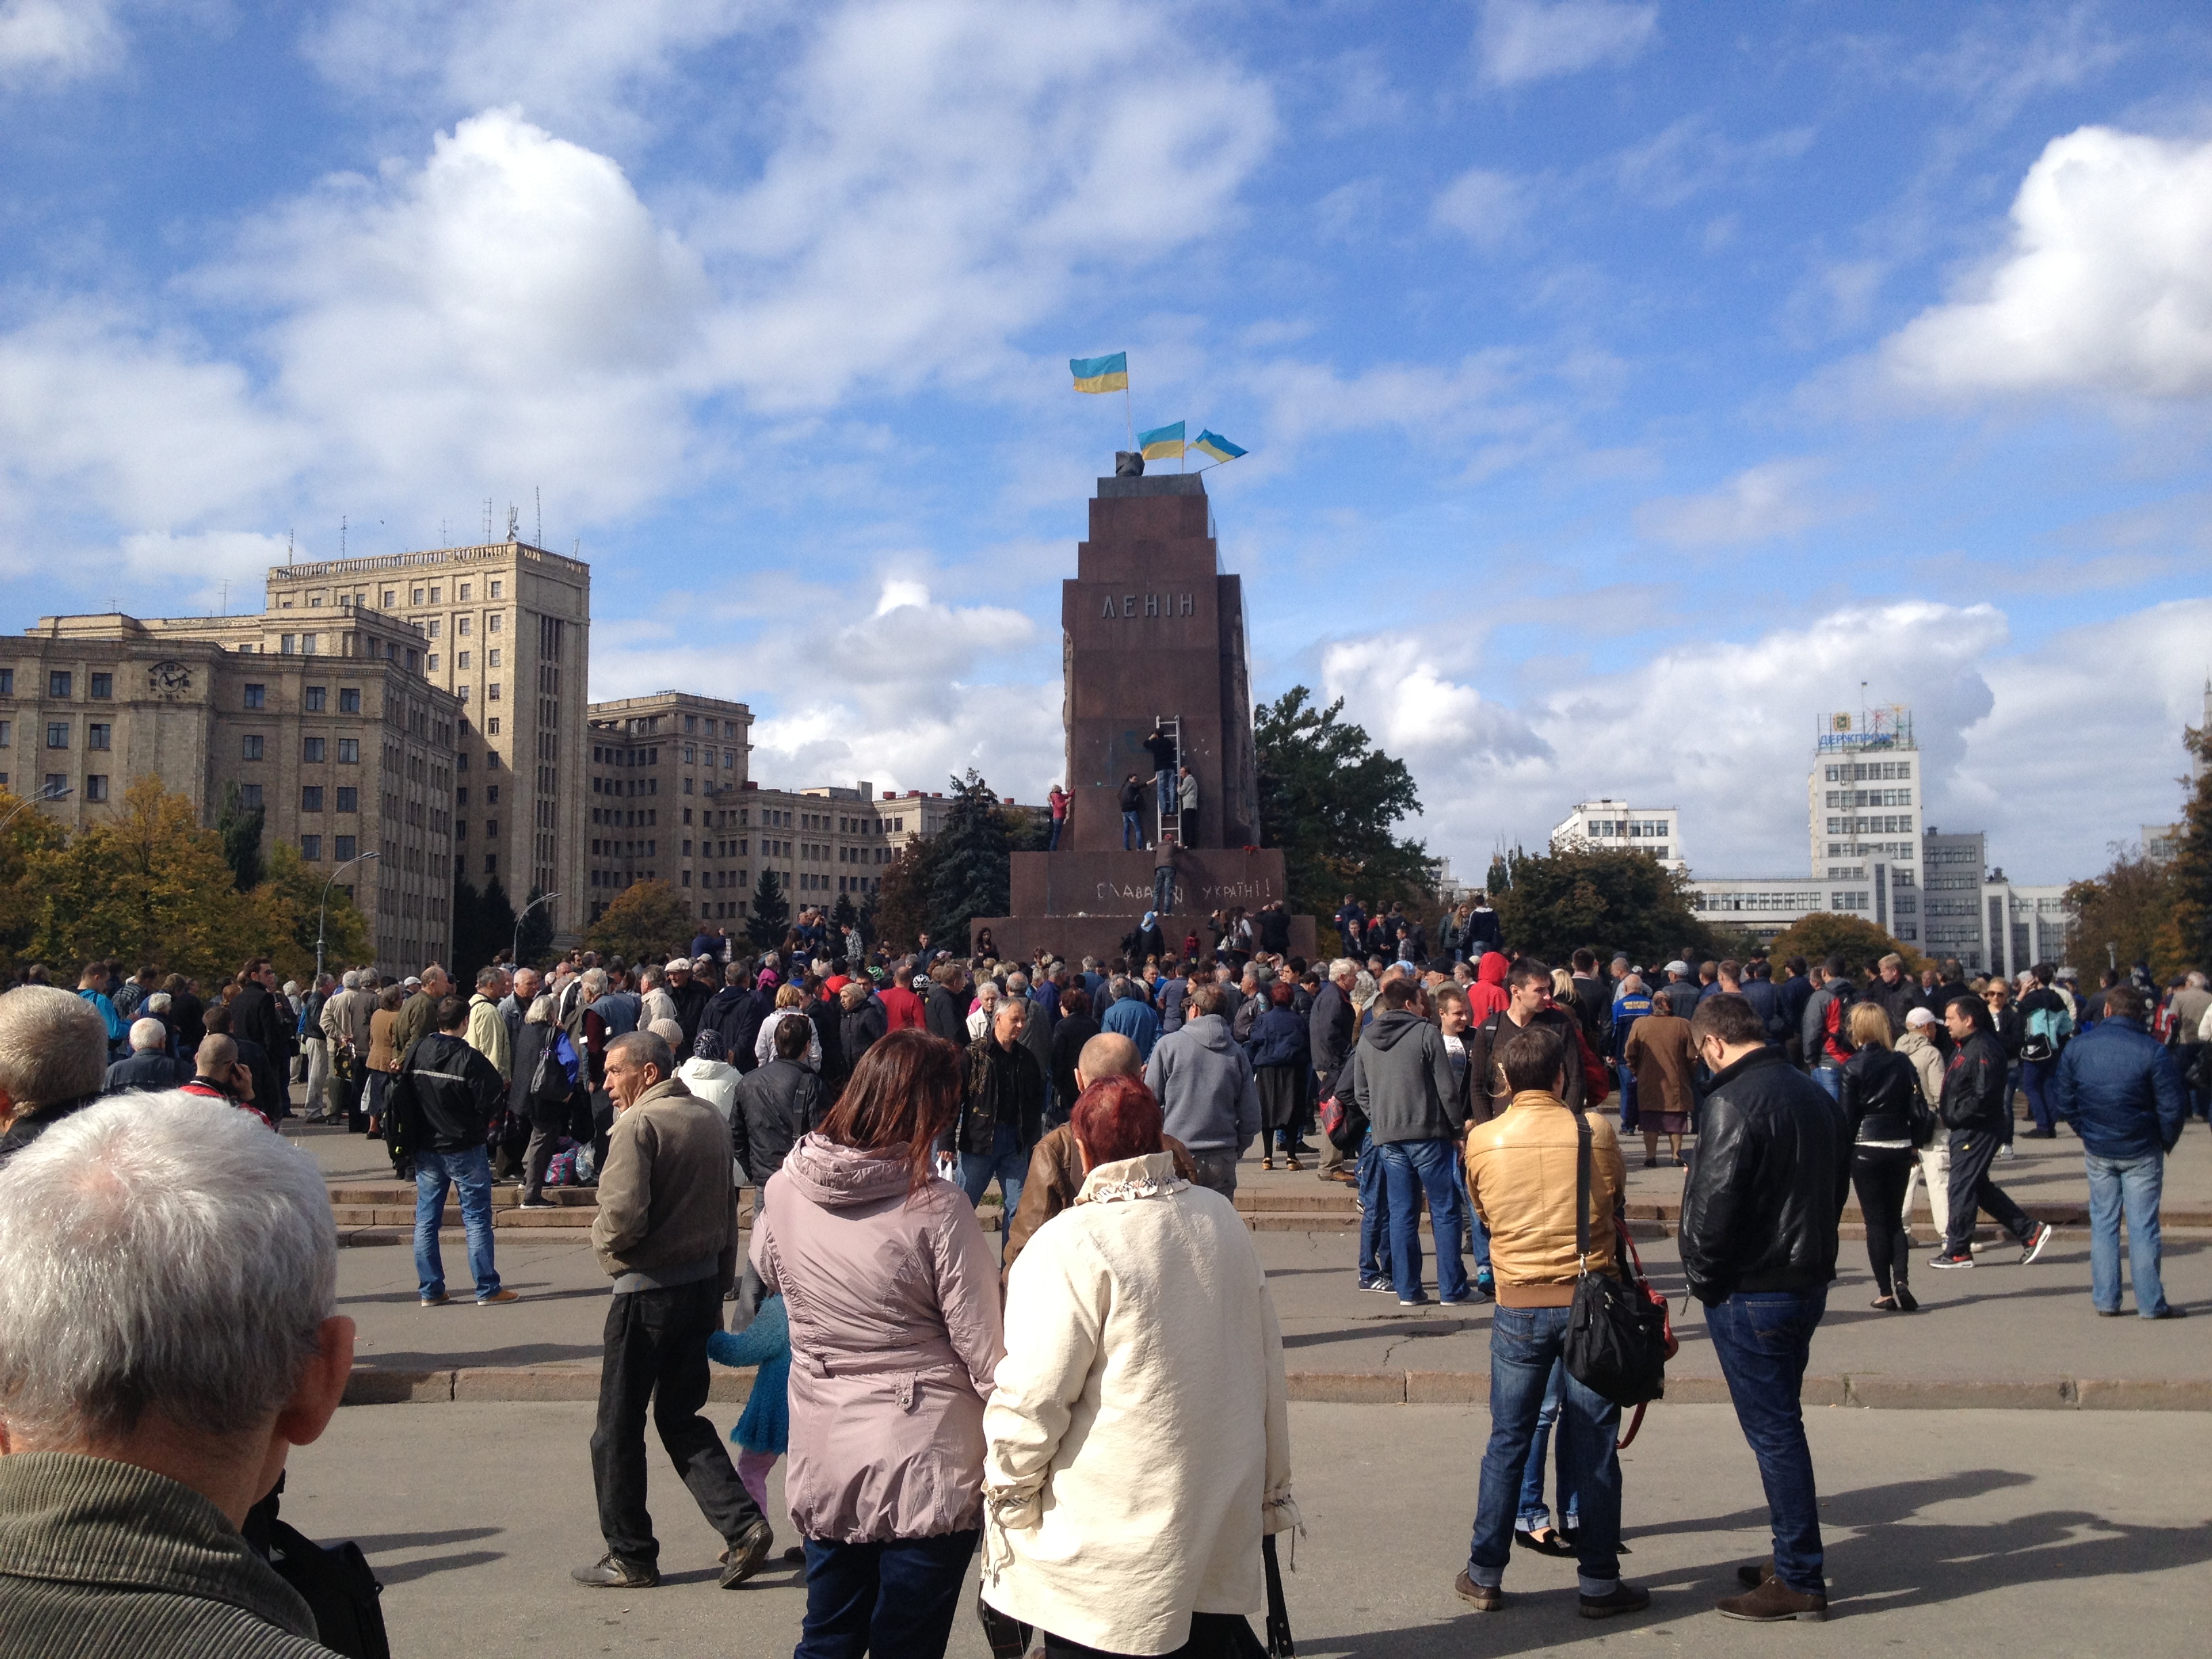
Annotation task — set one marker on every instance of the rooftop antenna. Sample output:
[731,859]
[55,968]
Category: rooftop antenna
[540,494]
[342,536]
[513,522]
[487,518]
[226,598]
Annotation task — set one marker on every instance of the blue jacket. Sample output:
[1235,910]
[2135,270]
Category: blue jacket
[1279,1038]
[766,1343]
[1131,1019]
[2119,1087]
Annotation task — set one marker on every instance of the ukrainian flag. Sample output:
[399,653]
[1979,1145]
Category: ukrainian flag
[1101,373]
[1213,444]
[1161,443]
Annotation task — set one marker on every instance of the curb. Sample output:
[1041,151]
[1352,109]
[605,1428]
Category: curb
[510,1384]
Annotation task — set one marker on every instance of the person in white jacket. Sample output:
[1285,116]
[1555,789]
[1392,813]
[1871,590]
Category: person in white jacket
[1137,1441]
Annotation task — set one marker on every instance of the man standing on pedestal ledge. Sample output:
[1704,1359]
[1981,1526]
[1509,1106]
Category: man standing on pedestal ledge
[1133,814]
[1187,798]
[1163,879]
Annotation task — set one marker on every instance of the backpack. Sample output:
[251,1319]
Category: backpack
[1597,1081]
[2046,1028]
[1835,1026]
[549,1079]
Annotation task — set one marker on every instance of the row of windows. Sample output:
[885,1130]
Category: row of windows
[1869,798]
[1866,771]
[462,626]
[491,695]
[629,817]
[311,799]
[313,699]
[343,848]
[1901,852]
[691,725]
[463,592]
[61,682]
[1702,901]
[1626,829]
[98,734]
[461,661]
[1870,826]
[613,785]
[55,783]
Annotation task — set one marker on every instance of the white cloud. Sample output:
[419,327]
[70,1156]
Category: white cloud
[950,172]
[1759,504]
[1490,773]
[585,66]
[1693,156]
[238,558]
[2107,285]
[56,40]
[1523,41]
[916,691]
[1490,209]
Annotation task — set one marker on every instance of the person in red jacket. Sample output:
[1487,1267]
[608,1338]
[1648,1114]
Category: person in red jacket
[1487,996]
[903,1009]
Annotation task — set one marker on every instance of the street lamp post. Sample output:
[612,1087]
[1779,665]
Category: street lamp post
[51,793]
[322,909]
[514,948]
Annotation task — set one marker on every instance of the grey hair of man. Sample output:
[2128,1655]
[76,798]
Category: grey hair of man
[648,979]
[2197,980]
[1344,968]
[1018,984]
[148,1035]
[163,1252]
[350,979]
[594,981]
[541,1011]
[53,1048]
[1205,999]
[160,1003]
[1120,987]
[648,1047]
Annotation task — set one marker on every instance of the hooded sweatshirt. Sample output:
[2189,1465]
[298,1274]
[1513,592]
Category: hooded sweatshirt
[1401,1077]
[1487,996]
[892,1293]
[1203,1081]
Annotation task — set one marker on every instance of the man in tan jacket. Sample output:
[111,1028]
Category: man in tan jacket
[667,1232]
[1521,1171]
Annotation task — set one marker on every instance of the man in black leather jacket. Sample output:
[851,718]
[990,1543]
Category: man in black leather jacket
[1760,1213]
[1976,1108]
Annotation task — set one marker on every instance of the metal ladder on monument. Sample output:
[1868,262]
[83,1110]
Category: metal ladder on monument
[1172,725]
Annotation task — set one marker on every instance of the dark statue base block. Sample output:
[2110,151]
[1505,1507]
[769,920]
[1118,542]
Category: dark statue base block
[1070,939]
[1072,882]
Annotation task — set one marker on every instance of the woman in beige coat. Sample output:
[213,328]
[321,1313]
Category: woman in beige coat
[1137,1441]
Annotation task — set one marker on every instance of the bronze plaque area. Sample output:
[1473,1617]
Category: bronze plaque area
[1154,631]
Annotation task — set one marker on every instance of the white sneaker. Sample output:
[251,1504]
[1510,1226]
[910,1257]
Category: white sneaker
[2004,1154]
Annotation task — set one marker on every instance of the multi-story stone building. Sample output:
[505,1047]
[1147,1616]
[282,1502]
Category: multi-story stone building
[1610,823]
[505,628]
[333,732]
[670,801]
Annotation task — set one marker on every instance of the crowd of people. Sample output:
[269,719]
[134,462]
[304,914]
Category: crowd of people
[939,1396]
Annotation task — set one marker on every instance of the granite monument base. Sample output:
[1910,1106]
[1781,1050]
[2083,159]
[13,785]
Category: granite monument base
[1082,903]
[1070,939]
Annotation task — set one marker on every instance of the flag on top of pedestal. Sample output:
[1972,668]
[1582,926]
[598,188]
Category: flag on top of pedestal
[1213,444]
[1161,443]
[1100,373]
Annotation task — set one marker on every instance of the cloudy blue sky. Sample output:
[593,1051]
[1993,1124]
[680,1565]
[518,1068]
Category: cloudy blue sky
[1626,383]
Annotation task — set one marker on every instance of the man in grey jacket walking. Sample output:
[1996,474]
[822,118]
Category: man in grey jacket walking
[1401,1076]
[1203,1080]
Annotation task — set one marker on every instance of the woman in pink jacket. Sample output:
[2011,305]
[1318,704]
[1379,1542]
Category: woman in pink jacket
[893,1297]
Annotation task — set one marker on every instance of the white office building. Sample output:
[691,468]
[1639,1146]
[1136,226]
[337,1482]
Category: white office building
[1614,824]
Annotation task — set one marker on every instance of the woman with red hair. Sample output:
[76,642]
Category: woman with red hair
[1137,1441]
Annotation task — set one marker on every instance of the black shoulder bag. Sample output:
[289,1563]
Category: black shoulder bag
[1616,1343]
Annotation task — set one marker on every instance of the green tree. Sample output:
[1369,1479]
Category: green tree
[147,885]
[968,864]
[1328,798]
[2136,906]
[902,905]
[288,903]
[771,912]
[1553,903]
[483,925]
[240,828]
[646,922]
[842,914]
[535,944]
[2190,942]
[1827,933]
[29,833]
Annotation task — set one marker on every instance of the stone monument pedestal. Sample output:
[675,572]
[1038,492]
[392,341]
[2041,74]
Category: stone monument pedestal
[1154,636]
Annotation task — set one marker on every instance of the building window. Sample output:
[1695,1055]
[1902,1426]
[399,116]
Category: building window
[348,799]
[495,587]
[461,623]
[314,698]
[57,734]
[491,692]
[492,829]
[311,798]
[103,685]
[461,660]
[491,795]
[249,747]
[349,751]
[390,597]
[249,797]
[7,682]
[96,735]
[56,782]
[491,864]
[311,848]
[466,591]
[57,682]
[7,734]
[435,625]
[307,644]
[95,786]
[415,597]
[462,692]
[491,660]
[348,700]
[346,844]
[437,597]
[286,642]
[256,696]
[311,750]
[494,621]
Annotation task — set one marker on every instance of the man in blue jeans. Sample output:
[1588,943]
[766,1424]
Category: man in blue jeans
[2118,1088]
[1521,1168]
[1401,1078]
[1002,1111]
[441,1103]
[1759,1212]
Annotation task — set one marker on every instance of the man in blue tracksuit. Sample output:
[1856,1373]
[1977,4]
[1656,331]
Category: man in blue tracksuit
[2118,1088]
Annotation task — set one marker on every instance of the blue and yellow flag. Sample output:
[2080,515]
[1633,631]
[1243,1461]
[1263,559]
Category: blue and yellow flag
[1161,443]
[1213,444]
[1101,373]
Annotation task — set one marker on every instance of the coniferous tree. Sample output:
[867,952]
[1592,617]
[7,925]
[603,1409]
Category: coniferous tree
[771,913]
[968,874]
[2192,865]
[1328,798]
[240,826]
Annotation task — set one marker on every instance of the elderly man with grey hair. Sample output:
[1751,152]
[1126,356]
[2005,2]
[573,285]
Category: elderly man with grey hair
[345,1023]
[53,1061]
[148,1065]
[667,1233]
[169,1333]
